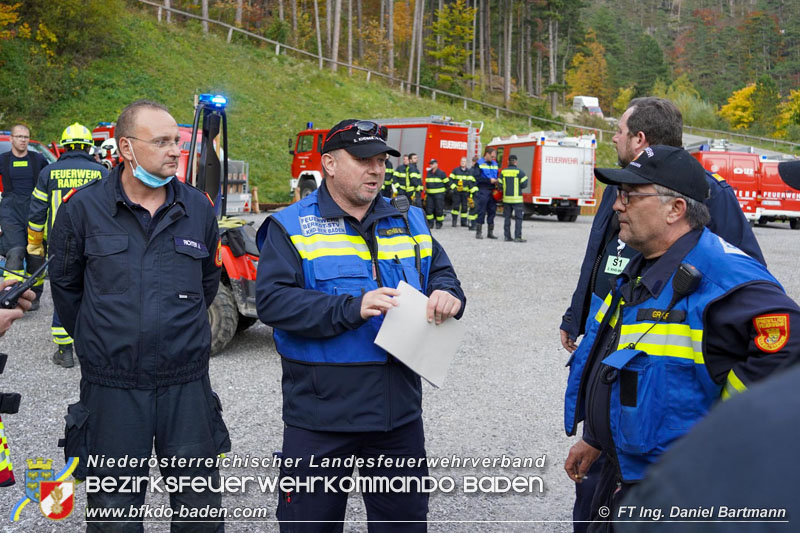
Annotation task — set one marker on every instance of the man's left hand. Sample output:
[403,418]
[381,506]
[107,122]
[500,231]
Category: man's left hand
[442,305]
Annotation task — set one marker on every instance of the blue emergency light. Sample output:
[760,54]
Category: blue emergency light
[309,125]
[215,100]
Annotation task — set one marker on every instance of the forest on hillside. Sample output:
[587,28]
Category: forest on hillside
[727,63]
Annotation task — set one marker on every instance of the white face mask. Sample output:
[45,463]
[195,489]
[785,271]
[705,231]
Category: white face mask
[151,180]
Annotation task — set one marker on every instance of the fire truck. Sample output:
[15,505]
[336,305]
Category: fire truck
[761,192]
[238,190]
[433,137]
[560,171]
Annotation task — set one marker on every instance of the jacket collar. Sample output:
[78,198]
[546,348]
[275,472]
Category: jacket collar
[657,276]
[115,197]
[328,208]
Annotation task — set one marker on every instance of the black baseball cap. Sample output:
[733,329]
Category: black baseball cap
[432,161]
[361,138]
[670,167]
[790,173]
[512,157]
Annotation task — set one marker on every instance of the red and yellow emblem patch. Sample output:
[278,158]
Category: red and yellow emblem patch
[218,254]
[772,332]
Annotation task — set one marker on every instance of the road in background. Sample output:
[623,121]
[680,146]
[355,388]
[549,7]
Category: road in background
[503,395]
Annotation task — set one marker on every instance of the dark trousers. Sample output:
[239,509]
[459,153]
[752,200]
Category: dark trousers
[320,511]
[434,206]
[584,494]
[461,205]
[518,212]
[487,206]
[608,493]
[182,420]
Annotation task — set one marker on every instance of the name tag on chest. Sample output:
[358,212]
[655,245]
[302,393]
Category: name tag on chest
[615,265]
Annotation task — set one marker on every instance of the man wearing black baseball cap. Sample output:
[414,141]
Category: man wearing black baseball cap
[790,173]
[328,273]
[690,319]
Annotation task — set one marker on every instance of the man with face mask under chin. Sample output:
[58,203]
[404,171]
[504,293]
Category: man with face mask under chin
[133,272]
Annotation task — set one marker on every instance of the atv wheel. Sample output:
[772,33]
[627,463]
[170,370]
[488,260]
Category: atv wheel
[245,322]
[223,317]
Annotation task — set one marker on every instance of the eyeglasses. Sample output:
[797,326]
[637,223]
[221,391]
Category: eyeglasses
[363,128]
[160,143]
[625,196]
[21,136]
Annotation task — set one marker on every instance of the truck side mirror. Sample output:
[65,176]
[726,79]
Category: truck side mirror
[290,142]
[291,152]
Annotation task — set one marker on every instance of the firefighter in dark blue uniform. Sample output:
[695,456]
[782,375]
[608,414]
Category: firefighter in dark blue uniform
[487,179]
[73,169]
[134,270]
[462,182]
[691,320]
[646,121]
[388,180]
[436,185]
[19,168]
[328,268]
[513,181]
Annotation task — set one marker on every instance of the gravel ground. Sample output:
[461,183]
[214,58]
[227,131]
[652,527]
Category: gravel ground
[503,395]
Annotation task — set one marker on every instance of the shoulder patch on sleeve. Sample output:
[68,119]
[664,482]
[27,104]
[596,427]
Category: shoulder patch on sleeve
[718,177]
[772,332]
[218,254]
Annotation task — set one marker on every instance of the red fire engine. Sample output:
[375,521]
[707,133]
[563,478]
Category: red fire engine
[560,171]
[432,137]
[761,192]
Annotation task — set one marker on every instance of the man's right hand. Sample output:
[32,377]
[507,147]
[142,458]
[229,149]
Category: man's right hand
[8,316]
[377,302]
[568,343]
[580,458]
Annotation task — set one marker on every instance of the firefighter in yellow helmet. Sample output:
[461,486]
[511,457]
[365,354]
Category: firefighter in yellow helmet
[75,168]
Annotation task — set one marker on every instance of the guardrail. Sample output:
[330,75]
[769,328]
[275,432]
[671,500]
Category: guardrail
[403,84]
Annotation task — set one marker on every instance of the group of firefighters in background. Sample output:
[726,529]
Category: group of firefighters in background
[472,189]
[32,192]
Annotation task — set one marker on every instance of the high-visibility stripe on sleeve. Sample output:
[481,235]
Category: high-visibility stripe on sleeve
[35,227]
[733,386]
[39,195]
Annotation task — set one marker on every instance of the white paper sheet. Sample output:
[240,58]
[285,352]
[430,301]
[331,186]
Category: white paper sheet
[424,347]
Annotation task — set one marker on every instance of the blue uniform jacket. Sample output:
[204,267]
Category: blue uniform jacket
[136,304]
[320,397]
[487,171]
[727,221]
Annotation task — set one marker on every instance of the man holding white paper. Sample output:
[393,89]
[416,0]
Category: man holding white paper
[328,272]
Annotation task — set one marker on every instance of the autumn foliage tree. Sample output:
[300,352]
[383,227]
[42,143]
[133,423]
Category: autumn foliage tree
[740,111]
[588,73]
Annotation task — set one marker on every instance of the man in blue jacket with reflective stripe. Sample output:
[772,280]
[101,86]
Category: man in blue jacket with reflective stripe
[329,269]
[690,320]
[647,121]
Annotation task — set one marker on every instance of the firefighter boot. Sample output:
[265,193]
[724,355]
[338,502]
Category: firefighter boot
[63,356]
[479,231]
[464,222]
[430,224]
[439,224]
[472,224]
[490,234]
[455,221]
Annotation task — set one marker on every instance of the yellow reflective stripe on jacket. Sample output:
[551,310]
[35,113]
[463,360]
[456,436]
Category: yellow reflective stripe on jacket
[672,340]
[733,386]
[39,195]
[402,246]
[36,227]
[320,245]
[601,313]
